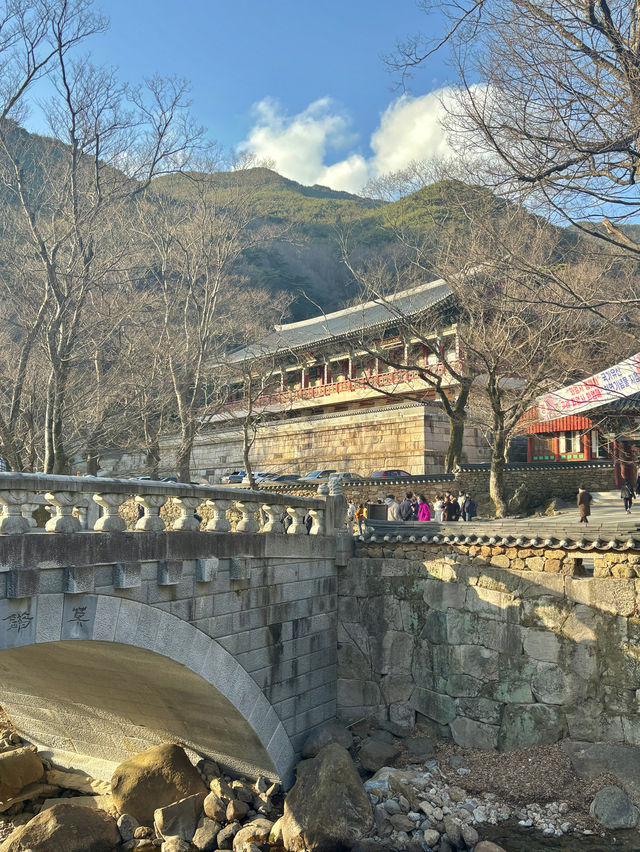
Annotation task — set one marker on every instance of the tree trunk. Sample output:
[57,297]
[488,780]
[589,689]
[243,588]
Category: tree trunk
[61,462]
[246,448]
[496,477]
[457,414]
[183,459]
[48,425]
[153,457]
[454,450]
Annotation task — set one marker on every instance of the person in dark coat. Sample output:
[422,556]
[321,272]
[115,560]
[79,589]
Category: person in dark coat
[627,494]
[469,508]
[406,507]
[584,504]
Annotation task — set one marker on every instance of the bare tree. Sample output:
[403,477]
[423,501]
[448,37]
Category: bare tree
[194,249]
[67,198]
[547,104]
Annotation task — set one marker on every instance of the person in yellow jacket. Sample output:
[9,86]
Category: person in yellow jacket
[361,514]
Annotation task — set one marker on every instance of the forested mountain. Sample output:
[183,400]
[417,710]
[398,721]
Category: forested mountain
[307,260]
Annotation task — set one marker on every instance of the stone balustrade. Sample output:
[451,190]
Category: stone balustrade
[70,500]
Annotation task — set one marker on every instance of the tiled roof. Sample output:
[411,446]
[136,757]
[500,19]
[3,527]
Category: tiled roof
[347,322]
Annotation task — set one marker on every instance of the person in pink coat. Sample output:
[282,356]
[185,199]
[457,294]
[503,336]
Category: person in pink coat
[424,512]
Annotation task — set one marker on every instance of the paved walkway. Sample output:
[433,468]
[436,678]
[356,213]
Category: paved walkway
[608,521]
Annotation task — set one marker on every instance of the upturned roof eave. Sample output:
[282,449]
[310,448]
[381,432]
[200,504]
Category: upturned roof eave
[337,338]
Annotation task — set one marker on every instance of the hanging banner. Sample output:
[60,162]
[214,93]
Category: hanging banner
[606,387]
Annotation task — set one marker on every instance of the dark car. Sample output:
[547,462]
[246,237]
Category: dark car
[318,474]
[286,477]
[389,474]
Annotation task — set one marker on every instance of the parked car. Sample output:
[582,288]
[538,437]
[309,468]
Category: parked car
[389,474]
[286,477]
[318,474]
[345,476]
[259,476]
[235,476]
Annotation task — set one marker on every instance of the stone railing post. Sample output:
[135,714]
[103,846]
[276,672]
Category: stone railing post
[83,515]
[110,520]
[151,520]
[12,520]
[219,522]
[273,513]
[317,525]
[63,519]
[297,526]
[247,523]
[187,506]
[27,512]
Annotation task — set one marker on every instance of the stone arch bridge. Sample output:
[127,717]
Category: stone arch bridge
[114,640]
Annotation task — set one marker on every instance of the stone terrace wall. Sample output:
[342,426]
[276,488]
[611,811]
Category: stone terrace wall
[543,482]
[495,657]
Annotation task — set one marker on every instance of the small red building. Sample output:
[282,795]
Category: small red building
[596,418]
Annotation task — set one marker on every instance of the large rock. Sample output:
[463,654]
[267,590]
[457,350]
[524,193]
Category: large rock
[375,754]
[65,828]
[18,767]
[327,807]
[590,760]
[614,809]
[153,779]
[179,819]
[488,846]
[330,732]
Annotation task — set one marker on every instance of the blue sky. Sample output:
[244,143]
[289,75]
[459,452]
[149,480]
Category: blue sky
[299,82]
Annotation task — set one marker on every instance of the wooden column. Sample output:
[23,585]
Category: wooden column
[530,440]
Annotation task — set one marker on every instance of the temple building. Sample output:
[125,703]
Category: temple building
[596,418]
[324,400]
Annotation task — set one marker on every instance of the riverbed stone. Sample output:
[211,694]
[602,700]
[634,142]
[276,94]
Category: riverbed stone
[215,808]
[18,767]
[329,732]
[154,779]
[614,809]
[327,807]
[375,754]
[179,819]
[256,831]
[65,826]
[205,835]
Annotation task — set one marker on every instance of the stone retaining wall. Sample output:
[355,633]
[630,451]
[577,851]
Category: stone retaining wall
[542,483]
[496,657]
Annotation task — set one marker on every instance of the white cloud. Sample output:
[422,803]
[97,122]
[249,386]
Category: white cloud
[410,129]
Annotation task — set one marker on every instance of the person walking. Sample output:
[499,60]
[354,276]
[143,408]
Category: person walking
[393,509]
[424,512]
[361,514]
[584,504]
[351,516]
[627,494]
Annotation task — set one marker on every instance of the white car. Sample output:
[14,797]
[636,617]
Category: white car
[260,476]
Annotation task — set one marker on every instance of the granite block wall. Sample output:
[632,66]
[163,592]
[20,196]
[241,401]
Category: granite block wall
[492,656]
